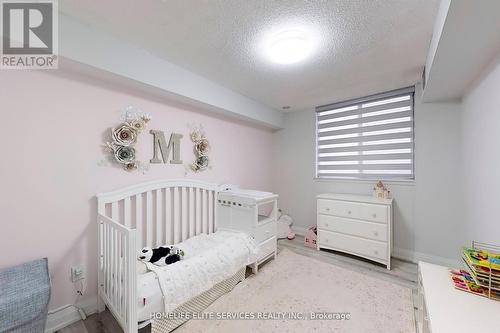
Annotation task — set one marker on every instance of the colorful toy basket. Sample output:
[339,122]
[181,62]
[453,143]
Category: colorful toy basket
[311,237]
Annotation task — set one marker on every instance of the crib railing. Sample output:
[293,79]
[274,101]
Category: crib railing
[117,271]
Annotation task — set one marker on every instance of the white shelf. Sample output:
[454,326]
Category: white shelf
[452,310]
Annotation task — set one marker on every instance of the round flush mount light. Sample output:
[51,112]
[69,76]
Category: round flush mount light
[289,46]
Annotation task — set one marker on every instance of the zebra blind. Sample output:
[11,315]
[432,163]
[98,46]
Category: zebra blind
[366,138]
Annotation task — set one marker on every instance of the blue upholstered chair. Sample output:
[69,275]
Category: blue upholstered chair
[24,297]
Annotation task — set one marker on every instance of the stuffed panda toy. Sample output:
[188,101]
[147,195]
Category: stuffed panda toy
[161,256]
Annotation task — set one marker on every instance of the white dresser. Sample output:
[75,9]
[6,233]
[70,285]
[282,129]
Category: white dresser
[354,224]
[254,213]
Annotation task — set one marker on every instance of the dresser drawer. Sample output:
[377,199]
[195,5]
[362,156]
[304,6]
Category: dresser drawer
[265,231]
[267,247]
[352,244]
[340,208]
[355,210]
[375,231]
[375,213]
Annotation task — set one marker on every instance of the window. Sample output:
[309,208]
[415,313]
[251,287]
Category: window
[366,138]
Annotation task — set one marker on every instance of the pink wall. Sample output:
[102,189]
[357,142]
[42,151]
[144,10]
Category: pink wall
[53,126]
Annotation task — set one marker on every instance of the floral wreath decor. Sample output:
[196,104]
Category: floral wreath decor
[124,138]
[201,150]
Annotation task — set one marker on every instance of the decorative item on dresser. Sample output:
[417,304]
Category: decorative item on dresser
[355,224]
[254,213]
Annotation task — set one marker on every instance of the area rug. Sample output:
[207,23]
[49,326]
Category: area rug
[330,299]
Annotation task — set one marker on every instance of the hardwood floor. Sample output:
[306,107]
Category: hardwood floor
[402,273]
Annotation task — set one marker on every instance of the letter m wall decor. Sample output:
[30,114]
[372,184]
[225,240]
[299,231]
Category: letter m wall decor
[160,145]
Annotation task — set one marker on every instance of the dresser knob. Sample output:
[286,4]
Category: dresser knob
[349,212]
[375,233]
[374,215]
[267,231]
[326,240]
[327,209]
[326,224]
[376,252]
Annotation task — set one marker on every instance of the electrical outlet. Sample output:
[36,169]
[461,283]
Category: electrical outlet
[77,273]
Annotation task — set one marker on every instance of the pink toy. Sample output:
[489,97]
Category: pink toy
[311,237]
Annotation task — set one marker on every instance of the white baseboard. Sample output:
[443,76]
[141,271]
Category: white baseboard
[68,314]
[415,257]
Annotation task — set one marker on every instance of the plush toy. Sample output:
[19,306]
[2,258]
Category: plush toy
[161,256]
[284,226]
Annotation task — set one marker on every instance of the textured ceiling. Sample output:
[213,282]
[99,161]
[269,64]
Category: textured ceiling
[366,46]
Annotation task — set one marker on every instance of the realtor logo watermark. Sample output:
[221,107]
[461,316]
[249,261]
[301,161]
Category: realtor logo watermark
[29,34]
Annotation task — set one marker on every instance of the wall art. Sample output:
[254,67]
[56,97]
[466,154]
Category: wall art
[201,149]
[160,145]
[124,137]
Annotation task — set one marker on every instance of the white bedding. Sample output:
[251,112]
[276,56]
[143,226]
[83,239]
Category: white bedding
[208,259]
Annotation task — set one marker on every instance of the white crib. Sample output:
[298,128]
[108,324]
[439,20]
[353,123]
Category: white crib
[148,214]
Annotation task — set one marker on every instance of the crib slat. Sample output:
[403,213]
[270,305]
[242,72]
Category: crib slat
[177,218]
[119,273]
[112,264]
[126,212]
[204,211]
[132,290]
[168,218]
[100,254]
[138,221]
[114,211]
[184,215]
[106,257]
[198,211]
[210,212]
[215,211]
[191,196]
[126,259]
[115,267]
[149,219]
[159,219]
[123,275]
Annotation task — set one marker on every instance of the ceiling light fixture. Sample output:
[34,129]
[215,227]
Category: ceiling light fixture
[289,46]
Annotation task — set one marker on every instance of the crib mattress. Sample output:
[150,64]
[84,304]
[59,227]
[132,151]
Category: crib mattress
[149,294]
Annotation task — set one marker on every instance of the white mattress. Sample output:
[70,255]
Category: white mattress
[149,295]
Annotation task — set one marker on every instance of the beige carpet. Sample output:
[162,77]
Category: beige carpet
[295,283]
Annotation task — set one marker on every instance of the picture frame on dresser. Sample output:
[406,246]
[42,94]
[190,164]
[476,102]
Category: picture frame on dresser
[357,225]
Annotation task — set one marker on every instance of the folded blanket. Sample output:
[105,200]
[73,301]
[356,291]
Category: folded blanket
[209,259]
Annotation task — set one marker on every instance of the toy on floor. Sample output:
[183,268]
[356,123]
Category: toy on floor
[311,237]
[161,256]
[284,226]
